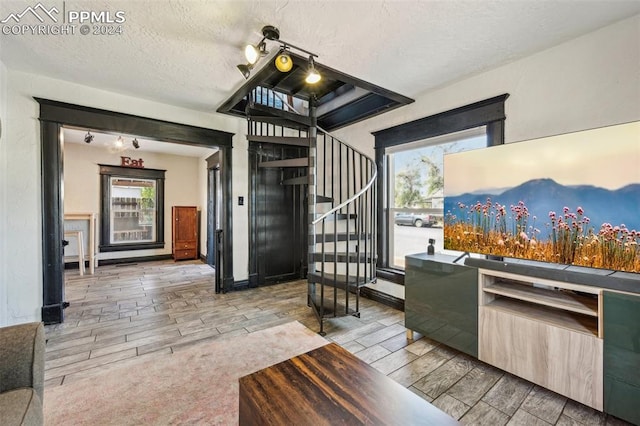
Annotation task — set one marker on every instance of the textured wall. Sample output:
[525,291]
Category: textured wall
[3,190]
[82,185]
[588,82]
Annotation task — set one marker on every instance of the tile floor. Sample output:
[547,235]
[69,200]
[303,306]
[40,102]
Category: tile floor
[146,309]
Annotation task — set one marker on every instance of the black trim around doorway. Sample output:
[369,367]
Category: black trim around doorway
[53,116]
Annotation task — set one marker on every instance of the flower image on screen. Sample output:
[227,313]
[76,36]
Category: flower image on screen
[572,199]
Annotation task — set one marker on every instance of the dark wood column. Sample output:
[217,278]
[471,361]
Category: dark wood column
[227,215]
[52,223]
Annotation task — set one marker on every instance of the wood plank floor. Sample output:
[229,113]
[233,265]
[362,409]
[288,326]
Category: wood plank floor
[142,310]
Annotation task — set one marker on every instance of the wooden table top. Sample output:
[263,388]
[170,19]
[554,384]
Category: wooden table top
[331,386]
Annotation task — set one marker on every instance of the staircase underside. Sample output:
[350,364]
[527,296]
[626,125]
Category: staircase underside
[342,99]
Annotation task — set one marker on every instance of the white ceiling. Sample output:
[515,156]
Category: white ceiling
[185,52]
[106,141]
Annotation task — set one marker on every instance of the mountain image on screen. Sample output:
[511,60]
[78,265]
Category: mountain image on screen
[581,222]
[542,196]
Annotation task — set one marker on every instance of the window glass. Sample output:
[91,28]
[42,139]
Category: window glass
[133,210]
[415,192]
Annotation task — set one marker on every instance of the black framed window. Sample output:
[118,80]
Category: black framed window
[488,115]
[132,208]
[414,191]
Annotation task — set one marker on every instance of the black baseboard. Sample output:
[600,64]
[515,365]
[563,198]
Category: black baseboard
[104,262]
[53,314]
[134,259]
[384,298]
[241,285]
[76,265]
[393,275]
[229,284]
[253,280]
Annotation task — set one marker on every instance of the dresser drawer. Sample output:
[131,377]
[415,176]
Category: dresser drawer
[185,245]
[185,254]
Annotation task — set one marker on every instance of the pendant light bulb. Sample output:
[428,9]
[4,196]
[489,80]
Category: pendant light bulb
[251,53]
[313,76]
[283,62]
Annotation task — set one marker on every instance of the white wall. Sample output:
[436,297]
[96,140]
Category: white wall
[21,222]
[588,82]
[82,185]
[3,191]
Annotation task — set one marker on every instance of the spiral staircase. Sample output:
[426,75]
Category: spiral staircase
[339,181]
[340,184]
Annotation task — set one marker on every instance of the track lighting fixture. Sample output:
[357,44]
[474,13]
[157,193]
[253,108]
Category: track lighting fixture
[253,53]
[313,76]
[117,145]
[88,138]
[119,142]
[283,60]
[245,70]
[135,143]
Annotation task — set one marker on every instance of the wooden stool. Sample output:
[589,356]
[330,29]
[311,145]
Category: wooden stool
[78,235]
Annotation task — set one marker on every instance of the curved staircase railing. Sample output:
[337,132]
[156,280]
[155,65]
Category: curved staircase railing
[341,203]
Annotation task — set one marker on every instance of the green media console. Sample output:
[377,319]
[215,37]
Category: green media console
[622,355]
[580,328]
[441,300]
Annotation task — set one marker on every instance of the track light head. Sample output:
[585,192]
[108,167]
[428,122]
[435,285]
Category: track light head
[251,53]
[119,143]
[245,70]
[283,61]
[88,138]
[135,143]
[313,76]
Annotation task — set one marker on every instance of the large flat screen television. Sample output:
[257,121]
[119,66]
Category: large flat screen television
[572,199]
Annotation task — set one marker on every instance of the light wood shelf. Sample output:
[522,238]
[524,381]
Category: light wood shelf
[557,317]
[566,300]
[569,305]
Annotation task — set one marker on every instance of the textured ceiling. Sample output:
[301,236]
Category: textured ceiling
[185,52]
[105,141]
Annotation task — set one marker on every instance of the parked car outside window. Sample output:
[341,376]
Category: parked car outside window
[415,219]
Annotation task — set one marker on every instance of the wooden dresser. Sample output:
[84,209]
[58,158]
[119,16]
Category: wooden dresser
[184,232]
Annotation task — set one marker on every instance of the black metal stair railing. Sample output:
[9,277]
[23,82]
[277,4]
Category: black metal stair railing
[341,202]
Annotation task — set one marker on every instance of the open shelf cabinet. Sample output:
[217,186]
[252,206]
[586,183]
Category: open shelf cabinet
[548,332]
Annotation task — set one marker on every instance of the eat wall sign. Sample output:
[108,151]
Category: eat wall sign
[129,162]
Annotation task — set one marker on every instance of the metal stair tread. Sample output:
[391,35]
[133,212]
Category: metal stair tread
[342,257]
[338,216]
[328,308]
[323,199]
[289,162]
[281,140]
[299,180]
[340,236]
[336,280]
[264,113]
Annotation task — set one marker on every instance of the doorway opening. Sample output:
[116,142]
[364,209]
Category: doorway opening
[57,116]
